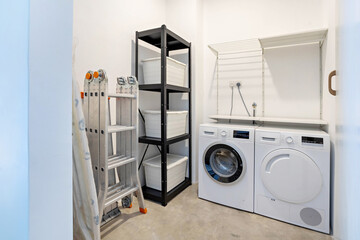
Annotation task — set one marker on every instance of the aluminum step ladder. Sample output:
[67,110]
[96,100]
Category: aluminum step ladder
[114,165]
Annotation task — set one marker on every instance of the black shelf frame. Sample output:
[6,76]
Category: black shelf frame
[168,87]
[156,195]
[158,141]
[167,41]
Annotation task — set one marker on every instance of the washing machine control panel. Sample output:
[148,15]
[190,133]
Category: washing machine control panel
[241,134]
[223,133]
[289,140]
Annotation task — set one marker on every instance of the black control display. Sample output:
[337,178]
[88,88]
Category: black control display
[241,134]
[312,140]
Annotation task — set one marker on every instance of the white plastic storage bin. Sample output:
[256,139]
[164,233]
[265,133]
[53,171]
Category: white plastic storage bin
[176,170]
[176,123]
[175,71]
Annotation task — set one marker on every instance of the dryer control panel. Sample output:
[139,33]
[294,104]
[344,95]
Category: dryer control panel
[312,140]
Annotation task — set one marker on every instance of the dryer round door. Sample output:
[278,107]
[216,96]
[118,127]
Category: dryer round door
[223,163]
[291,176]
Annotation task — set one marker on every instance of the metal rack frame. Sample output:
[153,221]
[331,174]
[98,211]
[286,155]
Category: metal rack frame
[167,41]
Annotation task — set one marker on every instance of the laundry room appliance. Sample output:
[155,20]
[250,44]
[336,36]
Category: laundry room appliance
[292,176]
[226,165]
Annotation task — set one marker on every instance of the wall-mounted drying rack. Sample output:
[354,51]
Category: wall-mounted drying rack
[247,57]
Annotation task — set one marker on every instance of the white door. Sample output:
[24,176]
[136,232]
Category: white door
[347,166]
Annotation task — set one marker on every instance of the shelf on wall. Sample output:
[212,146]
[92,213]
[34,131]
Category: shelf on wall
[247,45]
[258,44]
[270,119]
[314,36]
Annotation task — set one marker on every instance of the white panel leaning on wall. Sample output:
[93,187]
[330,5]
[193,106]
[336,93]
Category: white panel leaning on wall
[86,212]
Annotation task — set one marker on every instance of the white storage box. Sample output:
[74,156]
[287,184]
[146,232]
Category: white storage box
[176,123]
[176,170]
[175,71]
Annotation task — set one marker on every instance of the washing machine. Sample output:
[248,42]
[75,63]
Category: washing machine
[292,176]
[226,165]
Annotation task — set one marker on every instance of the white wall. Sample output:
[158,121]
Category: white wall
[50,124]
[14,160]
[289,73]
[104,35]
[190,28]
[347,177]
[292,82]
[104,32]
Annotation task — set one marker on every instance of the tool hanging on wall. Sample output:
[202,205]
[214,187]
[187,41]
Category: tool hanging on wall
[108,157]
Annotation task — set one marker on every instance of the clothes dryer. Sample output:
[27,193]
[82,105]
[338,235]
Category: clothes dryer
[292,176]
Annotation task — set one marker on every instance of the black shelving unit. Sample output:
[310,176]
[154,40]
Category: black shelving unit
[167,41]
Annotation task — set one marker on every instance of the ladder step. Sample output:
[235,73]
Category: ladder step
[117,187]
[119,195]
[121,95]
[112,157]
[119,161]
[119,128]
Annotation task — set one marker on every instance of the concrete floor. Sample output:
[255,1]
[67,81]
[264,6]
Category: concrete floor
[188,217]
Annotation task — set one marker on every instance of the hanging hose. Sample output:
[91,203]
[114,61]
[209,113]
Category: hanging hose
[238,86]
[232,100]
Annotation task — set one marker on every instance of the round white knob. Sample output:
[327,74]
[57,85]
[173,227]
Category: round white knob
[289,140]
[223,133]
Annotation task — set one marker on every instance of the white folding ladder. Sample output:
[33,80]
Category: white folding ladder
[107,157]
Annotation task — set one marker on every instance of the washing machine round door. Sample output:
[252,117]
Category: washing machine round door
[223,163]
[291,176]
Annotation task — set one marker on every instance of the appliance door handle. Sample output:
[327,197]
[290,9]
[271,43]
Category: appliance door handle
[209,133]
[331,90]
[268,139]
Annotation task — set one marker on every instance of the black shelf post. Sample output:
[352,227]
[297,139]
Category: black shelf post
[190,114]
[167,41]
[163,116]
[137,55]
